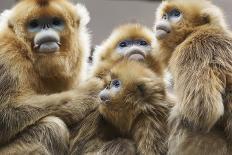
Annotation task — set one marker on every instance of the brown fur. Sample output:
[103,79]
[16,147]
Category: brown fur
[199,52]
[138,113]
[105,56]
[30,82]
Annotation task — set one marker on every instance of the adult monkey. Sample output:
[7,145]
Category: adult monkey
[42,52]
[196,44]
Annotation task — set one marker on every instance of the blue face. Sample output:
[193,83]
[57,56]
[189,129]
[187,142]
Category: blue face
[115,83]
[174,13]
[36,25]
[128,43]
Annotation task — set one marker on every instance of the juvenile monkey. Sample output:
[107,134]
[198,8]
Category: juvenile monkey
[42,53]
[129,41]
[195,42]
[134,105]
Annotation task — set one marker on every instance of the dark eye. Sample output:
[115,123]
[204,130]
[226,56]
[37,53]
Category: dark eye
[123,44]
[33,24]
[57,22]
[174,13]
[165,16]
[116,83]
[143,43]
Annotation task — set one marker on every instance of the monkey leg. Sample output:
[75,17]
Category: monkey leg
[49,136]
[118,147]
[200,104]
[186,142]
[227,123]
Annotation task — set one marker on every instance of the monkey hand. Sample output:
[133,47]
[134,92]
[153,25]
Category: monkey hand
[91,86]
[199,118]
[118,147]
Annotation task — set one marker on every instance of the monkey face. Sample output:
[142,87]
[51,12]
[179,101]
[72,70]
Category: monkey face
[129,41]
[54,35]
[111,91]
[134,49]
[164,26]
[46,33]
[177,19]
[46,26]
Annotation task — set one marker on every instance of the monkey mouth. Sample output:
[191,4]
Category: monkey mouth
[136,55]
[162,28]
[47,45]
[161,31]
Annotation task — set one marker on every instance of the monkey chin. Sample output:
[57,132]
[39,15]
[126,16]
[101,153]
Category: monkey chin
[161,34]
[49,47]
[136,57]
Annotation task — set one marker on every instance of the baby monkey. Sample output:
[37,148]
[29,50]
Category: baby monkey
[136,104]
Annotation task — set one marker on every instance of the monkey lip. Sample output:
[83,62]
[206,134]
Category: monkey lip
[137,56]
[48,47]
[161,31]
[47,44]
[162,28]
[104,102]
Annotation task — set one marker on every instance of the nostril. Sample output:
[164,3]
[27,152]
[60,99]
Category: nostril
[46,26]
[104,98]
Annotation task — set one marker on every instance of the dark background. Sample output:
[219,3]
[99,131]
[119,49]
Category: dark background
[107,14]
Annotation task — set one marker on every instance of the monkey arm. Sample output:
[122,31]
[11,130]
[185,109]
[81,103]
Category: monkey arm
[149,135]
[94,135]
[15,119]
[71,106]
[118,146]
[199,85]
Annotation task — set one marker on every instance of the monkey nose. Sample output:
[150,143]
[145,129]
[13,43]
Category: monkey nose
[104,97]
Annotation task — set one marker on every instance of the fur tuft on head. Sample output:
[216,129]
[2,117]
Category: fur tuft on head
[204,9]
[83,13]
[42,2]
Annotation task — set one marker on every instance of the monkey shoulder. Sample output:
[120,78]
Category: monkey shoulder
[206,44]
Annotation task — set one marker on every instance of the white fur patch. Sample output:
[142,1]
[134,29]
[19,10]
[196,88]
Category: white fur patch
[4,16]
[85,36]
[83,13]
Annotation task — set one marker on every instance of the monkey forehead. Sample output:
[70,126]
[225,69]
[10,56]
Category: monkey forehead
[192,8]
[29,9]
[129,31]
[195,12]
[131,71]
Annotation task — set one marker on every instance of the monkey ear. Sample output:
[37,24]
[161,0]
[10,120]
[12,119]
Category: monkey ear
[143,85]
[148,86]
[83,13]
[214,16]
[4,17]
[141,88]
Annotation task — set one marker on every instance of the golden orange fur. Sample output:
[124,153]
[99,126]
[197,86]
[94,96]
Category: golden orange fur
[138,113]
[105,56]
[31,82]
[198,51]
